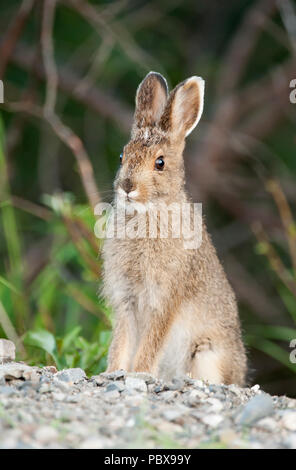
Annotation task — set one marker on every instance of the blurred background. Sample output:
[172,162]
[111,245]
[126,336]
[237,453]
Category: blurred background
[70,70]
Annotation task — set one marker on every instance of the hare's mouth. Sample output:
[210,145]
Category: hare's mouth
[129,201]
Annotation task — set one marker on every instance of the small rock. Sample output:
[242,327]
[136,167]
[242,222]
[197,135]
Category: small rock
[73,398]
[46,434]
[115,375]
[32,376]
[216,405]
[290,441]
[176,384]
[50,369]
[288,421]
[98,380]
[45,388]
[136,384]
[74,375]
[194,397]
[62,385]
[7,390]
[110,394]
[58,396]
[92,443]
[234,389]
[258,407]
[172,414]
[7,350]
[212,420]
[148,378]
[14,370]
[199,383]
[268,424]
[116,385]
[255,388]
[168,395]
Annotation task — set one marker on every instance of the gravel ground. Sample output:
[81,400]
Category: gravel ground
[43,408]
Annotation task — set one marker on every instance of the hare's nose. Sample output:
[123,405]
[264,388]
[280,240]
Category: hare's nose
[127,185]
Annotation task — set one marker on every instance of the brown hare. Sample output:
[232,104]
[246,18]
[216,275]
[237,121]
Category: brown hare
[175,312]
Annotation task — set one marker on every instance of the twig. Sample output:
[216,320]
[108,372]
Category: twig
[242,45]
[274,259]
[116,31]
[288,15]
[48,56]
[75,235]
[286,216]
[71,140]
[250,292]
[31,208]
[96,99]
[13,33]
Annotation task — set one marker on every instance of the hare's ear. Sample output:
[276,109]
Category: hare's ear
[151,99]
[184,108]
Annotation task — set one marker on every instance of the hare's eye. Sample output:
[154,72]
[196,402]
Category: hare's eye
[159,163]
[120,157]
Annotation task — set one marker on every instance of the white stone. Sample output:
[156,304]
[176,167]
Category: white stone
[289,420]
[92,443]
[136,384]
[46,434]
[7,350]
[216,405]
[212,420]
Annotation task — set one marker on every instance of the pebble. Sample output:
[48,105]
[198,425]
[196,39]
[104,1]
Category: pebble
[92,443]
[110,394]
[172,414]
[168,395]
[136,384]
[7,350]
[148,378]
[269,424]
[57,396]
[99,380]
[14,370]
[46,434]
[176,384]
[74,375]
[116,385]
[288,420]
[290,441]
[212,420]
[117,374]
[7,390]
[216,405]
[111,411]
[258,407]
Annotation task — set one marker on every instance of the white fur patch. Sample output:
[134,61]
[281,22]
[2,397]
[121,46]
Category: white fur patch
[133,194]
[207,366]
[201,86]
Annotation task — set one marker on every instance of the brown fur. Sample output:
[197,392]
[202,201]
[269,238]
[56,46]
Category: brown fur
[175,310]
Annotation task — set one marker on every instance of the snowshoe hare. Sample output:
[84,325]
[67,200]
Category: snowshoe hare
[175,312]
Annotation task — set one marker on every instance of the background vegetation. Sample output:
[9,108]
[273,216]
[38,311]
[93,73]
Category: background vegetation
[70,70]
